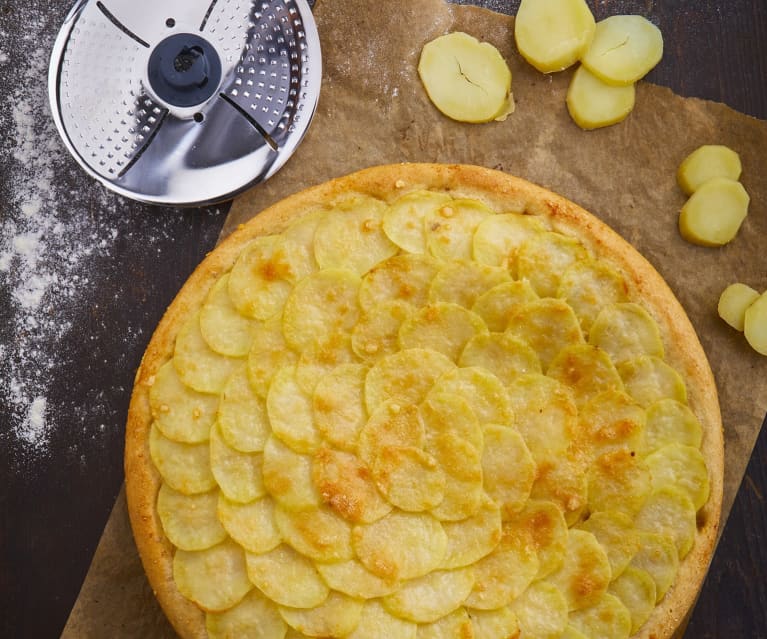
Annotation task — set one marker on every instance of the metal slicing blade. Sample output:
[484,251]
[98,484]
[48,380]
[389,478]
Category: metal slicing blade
[184,102]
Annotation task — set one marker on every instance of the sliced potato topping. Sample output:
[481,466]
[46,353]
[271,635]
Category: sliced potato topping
[462,282]
[588,286]
[409,478]
[755,325]
[508,467]
[489,624]
[608,617]
[441,327]
[683,467]
[317,533]
[242,414]
[337,616]
[470,539]
[505,356]
[405,278]
[542,611]
[649,379]
[615,532]
[432,596]
[456,624]
[625,48]
[585,573]
[450,229]
[707,162]
[594,104]
[268,354]
[626,331]
[222,327]
[483,391]
[190,521]
[586,370]
[404,221]
[713,214]
[185,467]
[461,464]
[338,405]
[618,480]
[544,257]
[376,621]
[669,510]
[553,34]
[466,79]
[255,617]
[670,421]
[288,476]
[391,425]
[636,590]
[287,577]
[498,238]
[251,525]
[542,526]
[658,556]
[377,332]
[497,305]
[290,412]
[733,302]
[352,578]
[239,475]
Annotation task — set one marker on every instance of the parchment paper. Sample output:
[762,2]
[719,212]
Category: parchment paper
[373,110]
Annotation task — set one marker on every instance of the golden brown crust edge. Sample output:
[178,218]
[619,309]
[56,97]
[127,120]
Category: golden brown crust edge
[502,192]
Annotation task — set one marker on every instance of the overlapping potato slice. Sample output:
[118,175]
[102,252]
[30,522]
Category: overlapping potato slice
[405,278]
[180,413]
[625,48]
[544,257]
[705,163]
[410,478]
[461,464]
[563,481]
[586,370]
[286,577]
[337,616]
[553,34]
[615,531]
[669,421]
[733,302]
[261,278]
[585,574]
[608,617]
[472,538]
[404,221]
[441,327]
[649,379]
[541,611]
[404,377]
[321,306]
[507,466]
[351,237]
[669,510]
[268,354]
[446,416]
[456,624]
[255,617]
[714,213]
[683,467]
[376,621]
[299,243]
[352,578]
[497,305]
[485,394]
[462,282]
[214,578]
[377,332]
[345,484]
[571,632]
[320,358]
[542,526]
[593,104]
[499,237]
[426,599]
[197,365]
[242,414]
[547,325]
[338,405]
[489,624]
[224,329]
[251,525]
[290,412]
[239,475]
[588,286]
[391,424]
[545,415]
[185,467]
[288,476]
[401,545]
[755,324]
[612,420]
[190,521]
[626,331]
[636,590]
[658,556]
[450,229]
[618,480]
[505,356]
[317,533]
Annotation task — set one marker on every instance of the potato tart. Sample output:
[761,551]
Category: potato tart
[425,401]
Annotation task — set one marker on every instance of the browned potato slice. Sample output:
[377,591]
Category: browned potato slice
[391,424]
[648,379]
[658,556]
[707,162]
[508,467]
[544,257]
[250,525]
[594,104]
[290,412]
[616,533]
[462,282]
[288,476]
[466,79]
[683,467]
[542,611]
[542,526]
[242,414]
[499,303]
[583,555]
[618,480]
[404,278]
[410,478]
[239,475]
[670,421]
[339,406]
[404,221]
[491,624]
[269,354]
[317,533]
[755,325]
[733,302]
[713,214]
[377,332]
[553,34]
[482,390]
[462,465]
[286,577]
[586,370]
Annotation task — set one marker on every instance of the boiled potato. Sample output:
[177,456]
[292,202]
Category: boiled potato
[594,104]
[624,49]
[733,302]
[714,213]
[706,162]
[755,325]
[466,79]
[553,34]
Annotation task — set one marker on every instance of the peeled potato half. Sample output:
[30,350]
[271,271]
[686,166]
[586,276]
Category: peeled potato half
[625,48]
[734,301]
[707,162]
[594,104]
[714,213]
[755,324]
[466,79]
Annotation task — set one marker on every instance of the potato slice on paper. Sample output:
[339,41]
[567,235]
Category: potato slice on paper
[317,533]
[190,521]
[608,617]
[498,238]
[593,104]
[450,229]
[403,222]
[181,414]
[288,476]
[470,539]
[658,556]
[541,611]
[491,624]
[497,305]
[733,302]
[286,577]
[215,578]
[583,555]
[432,596]
[683,467]
[376,621]
[670,421]
[624,49]
[401,545]
[255,617]
[553,34]
[755,325]
[239,475]
[625,331]
[467,80]
[352,578]
[636,590]
[616,533]
[337,616]
[714,213]
[670,511]
[405,278]
[223,328]
[707,162]
[185,467]
[251,525]
[508,467]
[242,414]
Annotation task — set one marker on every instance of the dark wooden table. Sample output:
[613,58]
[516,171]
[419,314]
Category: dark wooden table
[127,262]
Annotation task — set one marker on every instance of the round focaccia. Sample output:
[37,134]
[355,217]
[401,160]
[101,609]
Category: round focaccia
[424,400]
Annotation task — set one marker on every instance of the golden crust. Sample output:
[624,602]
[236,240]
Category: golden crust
[501,192]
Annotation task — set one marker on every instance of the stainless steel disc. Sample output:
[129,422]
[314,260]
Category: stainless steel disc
[184,102]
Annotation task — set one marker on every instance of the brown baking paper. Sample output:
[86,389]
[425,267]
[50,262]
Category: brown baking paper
[373,110]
